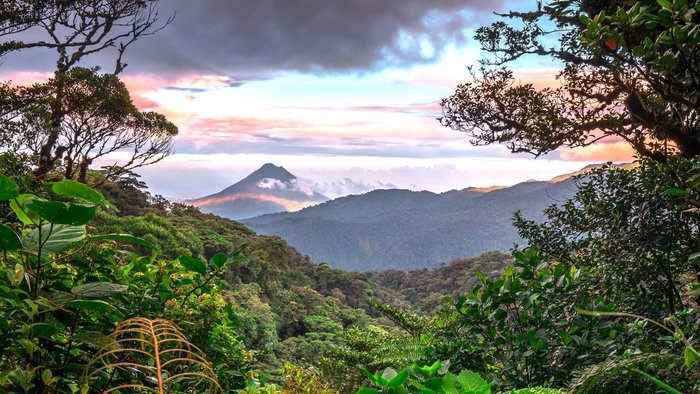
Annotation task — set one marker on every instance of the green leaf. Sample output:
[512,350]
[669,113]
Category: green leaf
[54,237]
[8,239]
[70,188]
[471,382]
[657,382]
[690,356]
[98,289]
[218,260]
[366,373]
[42,330]
[399,379]
[122,237]
[98,306]
[665,4]
[674,191]
[436,384]
[193,264]
[8,188]
[63,213]
[398,390]
[46,377]
[367,390]
[18,207]
[436,367]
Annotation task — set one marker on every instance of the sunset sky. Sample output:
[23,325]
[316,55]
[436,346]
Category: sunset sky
[342,93]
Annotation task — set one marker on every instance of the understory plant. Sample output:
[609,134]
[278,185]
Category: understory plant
[64,291]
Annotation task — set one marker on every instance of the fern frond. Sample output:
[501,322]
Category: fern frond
[594,377]
[151,356]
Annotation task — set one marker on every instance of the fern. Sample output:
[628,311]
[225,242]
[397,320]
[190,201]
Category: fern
[597,376]
[152,356]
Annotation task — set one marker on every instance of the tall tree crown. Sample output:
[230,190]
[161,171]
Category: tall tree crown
[631,71]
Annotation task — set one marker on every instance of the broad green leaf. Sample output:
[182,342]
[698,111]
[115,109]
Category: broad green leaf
[124,238]
[98,306]
[42,330]
[70,188]
[54,237]
[63,213]
[435,384]
[98,289]
[8,239]
[690,356]
[218,260]
[448,384]
[8,188]
[471,382]
[367,390]
[18,206]
[193,264]
[399,379]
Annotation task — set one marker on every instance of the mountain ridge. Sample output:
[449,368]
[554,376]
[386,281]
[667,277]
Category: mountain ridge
[404,229]
[269,189]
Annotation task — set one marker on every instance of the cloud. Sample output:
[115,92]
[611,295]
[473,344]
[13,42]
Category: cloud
[618,151]
[262,37]
[347,186]
[293,185]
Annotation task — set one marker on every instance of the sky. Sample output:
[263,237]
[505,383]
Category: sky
[342,93]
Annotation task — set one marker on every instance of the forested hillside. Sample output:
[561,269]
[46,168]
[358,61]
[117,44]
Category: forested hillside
[404,229]
[427,288]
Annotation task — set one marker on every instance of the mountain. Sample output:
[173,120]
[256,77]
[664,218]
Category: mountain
[267,190]
[403,229]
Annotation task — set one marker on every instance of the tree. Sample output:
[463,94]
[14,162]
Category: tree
[634,238]
[74,29]
[99,119]
[631,71]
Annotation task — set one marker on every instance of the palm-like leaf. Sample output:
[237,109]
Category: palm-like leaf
[144,355]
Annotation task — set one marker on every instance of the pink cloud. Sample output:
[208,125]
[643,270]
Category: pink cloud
[618,151]
[423,107]
[23,78]
[140,85]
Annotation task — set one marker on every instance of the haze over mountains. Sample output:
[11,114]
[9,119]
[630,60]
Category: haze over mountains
[269,189]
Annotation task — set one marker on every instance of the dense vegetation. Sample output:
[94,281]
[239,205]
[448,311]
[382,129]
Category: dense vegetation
[110,289]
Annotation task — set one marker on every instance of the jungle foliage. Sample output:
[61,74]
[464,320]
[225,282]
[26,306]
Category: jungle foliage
[111,289]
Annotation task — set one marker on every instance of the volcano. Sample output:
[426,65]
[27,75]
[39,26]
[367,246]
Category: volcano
[269,189]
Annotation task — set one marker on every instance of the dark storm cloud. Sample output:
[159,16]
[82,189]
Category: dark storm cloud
[255,37]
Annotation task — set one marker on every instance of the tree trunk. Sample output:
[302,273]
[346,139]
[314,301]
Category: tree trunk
[84,165]
[46,159]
